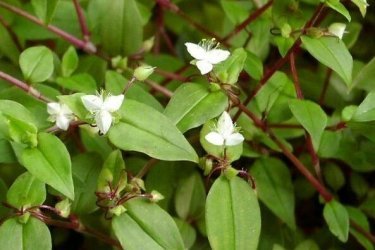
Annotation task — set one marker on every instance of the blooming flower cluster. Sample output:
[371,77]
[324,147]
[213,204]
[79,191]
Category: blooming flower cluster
[206,54]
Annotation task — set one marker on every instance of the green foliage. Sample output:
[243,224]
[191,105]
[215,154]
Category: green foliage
[36,64]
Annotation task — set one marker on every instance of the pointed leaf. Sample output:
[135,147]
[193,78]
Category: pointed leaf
[339,7]
[232,215]
[333,53]
[193,104]
[275,188]
[366,110]
[143,129]
[50,162]
[337,219]
[145,225]
[69,62]
[44,9]
[311,116]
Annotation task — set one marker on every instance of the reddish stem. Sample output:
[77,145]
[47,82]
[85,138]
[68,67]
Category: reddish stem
[11,33]
[82,21]
[155,86]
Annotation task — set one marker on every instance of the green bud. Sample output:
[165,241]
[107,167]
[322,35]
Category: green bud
[230,172]
[23,219]
[314,32]
[156,196]
[63,207]
[348,112]
[143,72]
[119,62]
[118,210]
[148,44]
[137,184]
[286,30]
[214,87]
[229,70]
[104,178]
[208,166]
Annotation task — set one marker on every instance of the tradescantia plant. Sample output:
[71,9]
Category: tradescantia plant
[159,124]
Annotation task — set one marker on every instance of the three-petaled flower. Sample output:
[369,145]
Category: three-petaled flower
[337,29]
[61,114]
[206,54]
[225,132]
[102,108]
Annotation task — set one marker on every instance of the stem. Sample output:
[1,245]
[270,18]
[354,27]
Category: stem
[166,92]
[170,75]
[297,85]
[84,45]
[25,87]
[82,21]
[247,21]
[364,232]
[325,86]
[11,33]
[147,167]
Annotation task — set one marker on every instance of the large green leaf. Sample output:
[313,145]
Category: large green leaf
[275,188]
[311,116]
[365,77]
[143,129]
[337,219]
[339,7]
[360,218]
[44,9]
[366,110]
[232,215]
[34,235]
[146,226]
[333,53]
[36,64]
[121,27]
[79,82]
[26,191]
[50,162]
[7,46]
[193,104]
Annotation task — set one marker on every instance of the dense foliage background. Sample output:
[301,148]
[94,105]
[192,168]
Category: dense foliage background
[79,171]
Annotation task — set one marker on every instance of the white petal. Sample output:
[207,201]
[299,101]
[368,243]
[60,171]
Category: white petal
[196,51]
[217,55]
[215,138]
[204,67]
[234,139]
[62,122]
[225,125]
[66,110]
[103,120]
[113,103]
[337,29]
[92,102]
[53,108]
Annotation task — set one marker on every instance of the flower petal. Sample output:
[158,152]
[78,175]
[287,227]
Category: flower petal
[234,139]
[217,55]
[92,103]
[196,51]
[66,110]
[62,122]
[53,108]
[113,103]
[103,120]
[204,66]
[225,125]
[215,138]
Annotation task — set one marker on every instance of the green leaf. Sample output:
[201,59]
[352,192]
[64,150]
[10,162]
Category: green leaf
[333,53]
[275,188]
[253,66]
[334,176]
[6,152]
[122,30]
[34,235]
[230,224]
[74,102]
[187,232]
[362,5]
[22,132]
[36,64]
[93,142]
[50,163]
[26,191]
[356,215]
[80,82]
[112,173]
[236,11]
[307,245]
[339,7]
[229,70]
[69,62]
[190,197]
[151,133]
[146,224]
[44,9]
[311,116]
[337,219]
[7,46]
[365,77]
[193,104]
[366,110]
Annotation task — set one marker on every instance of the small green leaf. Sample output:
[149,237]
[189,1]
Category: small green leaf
[36,64]
[229,70]
[339,7]
[187,232]
[337,219]
[356,215]
[22,132]
[253,66]
[44,9]
[50,162]
[151,133]
[366,110]
[311,116]
[333,53]
[190,197]
[146,224]
[69,62]
[6,152]
[7,46]
[80,82]
[34,235]
[193,104]
[307,245]
[334,176]
[362,5]
[275,188]
[365,77]
[26,191]
[232,215]
[112,173]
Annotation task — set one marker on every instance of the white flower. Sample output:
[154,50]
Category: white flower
[206,54]
[61,114]
[337,29]
[225,133]
[102,108]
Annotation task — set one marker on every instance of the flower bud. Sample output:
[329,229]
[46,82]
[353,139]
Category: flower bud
[230,172]
[286,30]
[148,44]
[156,196]
[314,32]
[143,72]
[118,210]
[119,63]
[63,207]
[337,29]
